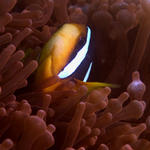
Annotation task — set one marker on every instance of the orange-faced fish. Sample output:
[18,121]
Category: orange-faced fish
[56,54]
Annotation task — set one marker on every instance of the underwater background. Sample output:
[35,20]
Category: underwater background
[74,75]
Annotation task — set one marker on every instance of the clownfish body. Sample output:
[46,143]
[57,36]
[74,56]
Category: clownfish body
[56,54]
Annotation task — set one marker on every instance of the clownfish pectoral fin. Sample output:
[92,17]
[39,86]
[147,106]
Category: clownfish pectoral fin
[94,85]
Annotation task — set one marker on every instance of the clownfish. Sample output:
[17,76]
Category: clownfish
[60,57]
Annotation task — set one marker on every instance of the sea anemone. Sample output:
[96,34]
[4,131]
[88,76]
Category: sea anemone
[41,111]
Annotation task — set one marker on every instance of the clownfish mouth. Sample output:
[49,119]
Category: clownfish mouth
[72,66]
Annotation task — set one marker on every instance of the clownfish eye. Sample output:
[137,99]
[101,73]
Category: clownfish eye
[78,59]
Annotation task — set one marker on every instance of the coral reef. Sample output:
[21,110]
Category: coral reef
[70,116]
